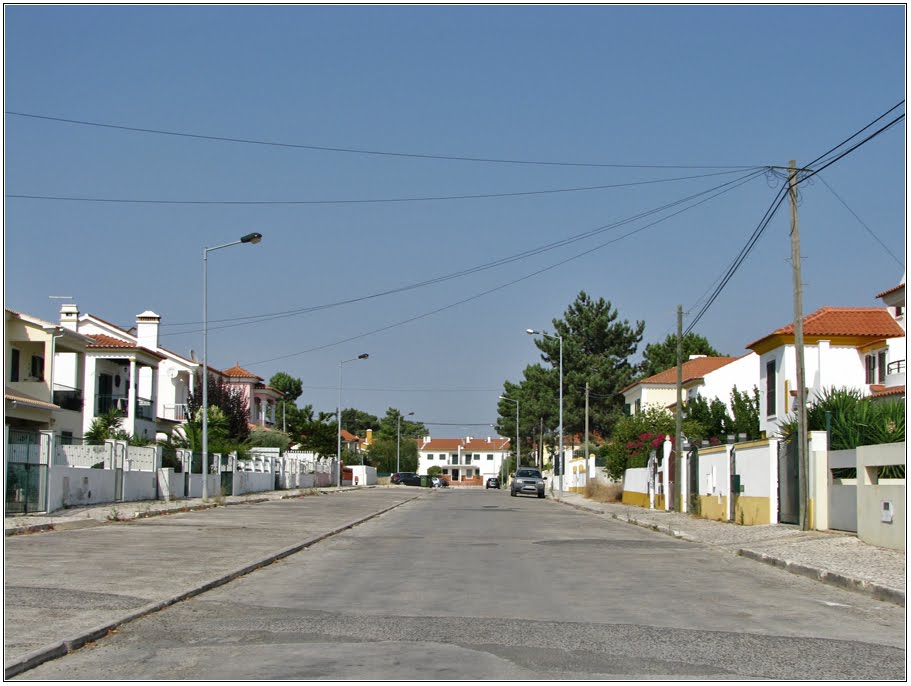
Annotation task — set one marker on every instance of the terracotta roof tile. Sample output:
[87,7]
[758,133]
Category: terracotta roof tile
[104,341]
[692,369]
[239,372]
[870,322]
[21,398]
[891,290]
[891,390]
[349,437]
[475,444]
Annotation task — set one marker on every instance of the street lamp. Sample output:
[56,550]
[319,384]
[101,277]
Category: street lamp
[398,439]
[249,238]
[532,332]
[518,454]
[338,412]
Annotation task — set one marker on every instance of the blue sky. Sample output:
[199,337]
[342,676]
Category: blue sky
[668,88]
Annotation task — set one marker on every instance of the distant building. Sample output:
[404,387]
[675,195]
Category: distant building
[466,460]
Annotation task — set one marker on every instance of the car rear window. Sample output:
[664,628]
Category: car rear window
[529,472]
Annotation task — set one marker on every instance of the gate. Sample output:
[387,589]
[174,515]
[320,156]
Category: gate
[843,490]
[227,475]
[788,489]
[26,477]
[119,453]
[692,462]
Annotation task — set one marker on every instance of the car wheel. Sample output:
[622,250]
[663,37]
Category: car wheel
[540,495]
[512,493]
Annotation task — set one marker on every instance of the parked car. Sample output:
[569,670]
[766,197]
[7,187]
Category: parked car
[527,480]
[410,479]
[440,482]
[397,477]
[493,482]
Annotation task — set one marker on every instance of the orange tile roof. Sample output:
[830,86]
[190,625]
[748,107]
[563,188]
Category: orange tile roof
[349,437]
[21,398]
[891,290]
[692,369]
[475,444]
[104,341]
[866,322]
[239,372]
[882,391]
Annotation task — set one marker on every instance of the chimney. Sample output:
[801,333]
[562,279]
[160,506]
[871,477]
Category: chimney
[147,330]
[369,439]
[488,439]
[696,357]
[69,316]
[426,439]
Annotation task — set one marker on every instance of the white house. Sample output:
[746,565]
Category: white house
[891,373]
[709,377]
[462,460]
[843,346]
[129,370]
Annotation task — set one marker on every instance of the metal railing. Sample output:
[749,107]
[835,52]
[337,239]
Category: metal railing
[68,398]
[106,403]
[176,412]
[145,408]
[897,367]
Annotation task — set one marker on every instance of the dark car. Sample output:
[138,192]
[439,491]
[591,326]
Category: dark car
[493,482]
[527,480]
[411,479]
[398,476]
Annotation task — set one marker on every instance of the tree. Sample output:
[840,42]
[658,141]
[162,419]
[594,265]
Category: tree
[658,357]
[745,407]
[357,422]
[706,421]
[229,400]
[597,347]
[267,438]
[318,433]
[634,437]
[388,426]
[382,455]
[288,385]
[107,426]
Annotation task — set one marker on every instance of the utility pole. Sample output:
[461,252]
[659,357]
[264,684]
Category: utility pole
[587,475]
[802,445]
[678,413]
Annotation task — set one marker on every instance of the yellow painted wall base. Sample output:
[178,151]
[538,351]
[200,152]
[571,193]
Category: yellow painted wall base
[712,508]
[641,499]
[750,510]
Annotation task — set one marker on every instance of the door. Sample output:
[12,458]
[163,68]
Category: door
[105,393]
[692,462]
[788,491]
[26,477]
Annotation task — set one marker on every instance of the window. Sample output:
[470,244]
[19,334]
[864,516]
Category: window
[870,363]
[770,388]
[430,456]
[38,367]
[489,456]
[881,360]
[455,458]
[66,438]
[14,366]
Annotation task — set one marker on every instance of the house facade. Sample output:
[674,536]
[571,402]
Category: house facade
[131,371]
[891,371]
[709,377]
[260,399]
[36,397]
[843,346]
[467,459]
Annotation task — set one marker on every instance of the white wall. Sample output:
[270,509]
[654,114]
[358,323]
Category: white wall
[636,480]
[715,474]
[72,486]
[871,495]
[743,373]
[364,475]
[139,485]
[252,482]
[757,464]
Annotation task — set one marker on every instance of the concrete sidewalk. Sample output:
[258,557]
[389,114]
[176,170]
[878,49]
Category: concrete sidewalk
[831,557]
[85,571]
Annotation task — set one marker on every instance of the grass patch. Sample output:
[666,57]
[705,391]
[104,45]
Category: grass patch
[603,492]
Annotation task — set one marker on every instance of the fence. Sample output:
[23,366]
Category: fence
[45,474]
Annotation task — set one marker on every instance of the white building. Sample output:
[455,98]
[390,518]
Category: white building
[464,460]
[843,347]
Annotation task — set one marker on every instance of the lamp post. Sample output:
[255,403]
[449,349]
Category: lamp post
[249,238]
[518,449]
[398,439]
[338,412]
[532,332]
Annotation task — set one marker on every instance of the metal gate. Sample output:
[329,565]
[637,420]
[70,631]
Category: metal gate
[692,462]
[843,490]
[119,454]
[788,489]
[26,477]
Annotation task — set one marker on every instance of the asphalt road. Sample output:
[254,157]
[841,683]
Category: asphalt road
[476,585]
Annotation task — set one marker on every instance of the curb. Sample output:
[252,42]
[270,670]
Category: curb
[871,588]
[60,648]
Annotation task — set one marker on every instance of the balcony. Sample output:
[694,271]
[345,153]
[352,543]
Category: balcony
[106,403]
[145,409]
[176,413]
[68,398]
[895,373]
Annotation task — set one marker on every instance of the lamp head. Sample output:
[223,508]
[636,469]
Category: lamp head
[251,238]
[363,356]
[531,331]
[409,414]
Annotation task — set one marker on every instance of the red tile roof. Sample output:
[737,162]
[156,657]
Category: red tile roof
[22,399]
[475,444]
[103,341]
[866,322]
[239,372]
[891,290]
[692,369]
[349,437]
[883,391]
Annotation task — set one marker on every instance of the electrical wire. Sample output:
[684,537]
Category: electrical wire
[256,319]
[862,223]
[431,198]
[500,286]
[361,151]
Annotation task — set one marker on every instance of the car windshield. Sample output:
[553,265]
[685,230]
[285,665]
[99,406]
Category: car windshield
[529,472]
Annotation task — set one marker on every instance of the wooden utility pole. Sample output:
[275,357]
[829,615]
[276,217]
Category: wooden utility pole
[802,443]
[678,414]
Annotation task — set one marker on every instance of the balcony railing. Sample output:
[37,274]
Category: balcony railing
[68,398]
[106,403]
[145,409]
[897,367]
[177,412]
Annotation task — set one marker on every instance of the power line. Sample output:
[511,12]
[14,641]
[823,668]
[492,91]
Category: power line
[255,319]
[406,390]
[354,201]
[857,133]
[862,222]
[361,151]
[503,285]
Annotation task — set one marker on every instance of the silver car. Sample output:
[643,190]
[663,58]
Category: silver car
[529,481]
